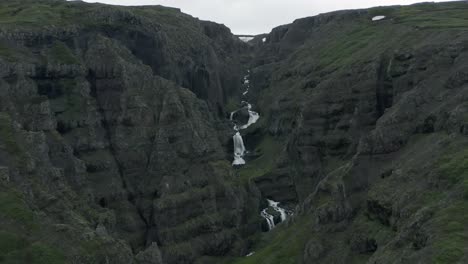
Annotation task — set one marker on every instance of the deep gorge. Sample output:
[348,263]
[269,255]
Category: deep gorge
[116,136]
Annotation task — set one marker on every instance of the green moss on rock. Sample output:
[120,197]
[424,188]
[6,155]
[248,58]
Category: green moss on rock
[14,208]
[283,245]
[7,135]
[268,150]
[60,53]
[36,253]
[10,242]
[450,243]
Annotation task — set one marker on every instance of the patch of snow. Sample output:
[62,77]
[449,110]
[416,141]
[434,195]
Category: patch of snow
[263,40]
[246,39]
[250,254]
[377,18]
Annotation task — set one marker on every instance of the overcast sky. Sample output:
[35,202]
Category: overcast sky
[257,16]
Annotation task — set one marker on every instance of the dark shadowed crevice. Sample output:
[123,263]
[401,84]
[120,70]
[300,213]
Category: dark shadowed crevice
[384,88]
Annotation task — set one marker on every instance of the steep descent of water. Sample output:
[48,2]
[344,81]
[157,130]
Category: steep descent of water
[239,148]
[269,218]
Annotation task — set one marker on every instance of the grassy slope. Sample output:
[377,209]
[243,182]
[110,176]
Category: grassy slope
[267,150]
[449,235]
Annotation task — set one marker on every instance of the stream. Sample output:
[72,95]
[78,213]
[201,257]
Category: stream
[239,148]
[240,151]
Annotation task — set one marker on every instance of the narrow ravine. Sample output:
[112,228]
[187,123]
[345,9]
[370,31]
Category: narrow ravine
[273,208]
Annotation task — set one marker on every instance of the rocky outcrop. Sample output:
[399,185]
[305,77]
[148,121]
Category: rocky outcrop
[115,146]
[114,129]
[368,114]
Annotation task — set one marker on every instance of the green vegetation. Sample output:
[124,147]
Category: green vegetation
[8,140]
[382,234]
[173,200]
[450,222]
[60,53]
[269,149]
[453,168]
[7,53]
[449,15]
[232,105]
[358,44]
[452,238]
[14,208]
[192,227]
[36,253]
[34,13]
[15,248]
[365,39]
[10,242]
[7,135]
[283,245]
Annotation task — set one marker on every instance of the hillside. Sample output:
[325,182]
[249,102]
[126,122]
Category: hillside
[116,144]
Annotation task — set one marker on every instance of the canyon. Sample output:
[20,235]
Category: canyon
[144,135]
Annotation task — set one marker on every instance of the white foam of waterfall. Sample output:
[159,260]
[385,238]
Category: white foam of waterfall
[269,219]
[278,209]
[239,150]
[253,118]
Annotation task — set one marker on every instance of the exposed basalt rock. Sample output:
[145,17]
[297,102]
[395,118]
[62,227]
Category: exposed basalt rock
[368,112]
[115,146]
[114,129]
[151,255]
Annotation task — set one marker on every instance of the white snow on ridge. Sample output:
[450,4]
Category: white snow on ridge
[377,18]
[263,40]
[246,39]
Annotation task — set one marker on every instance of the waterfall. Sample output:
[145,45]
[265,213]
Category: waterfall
[239,148]
[253,117]
[270,219]
[278,209]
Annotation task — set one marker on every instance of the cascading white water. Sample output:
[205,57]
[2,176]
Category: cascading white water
[270,219]
[278,209]
[239,151]
[239,148]
[253,117]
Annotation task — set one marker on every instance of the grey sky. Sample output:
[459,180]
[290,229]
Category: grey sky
[257,16]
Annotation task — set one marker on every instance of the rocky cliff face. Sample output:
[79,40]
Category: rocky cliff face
[371,119]
[114,140]
[115,146]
